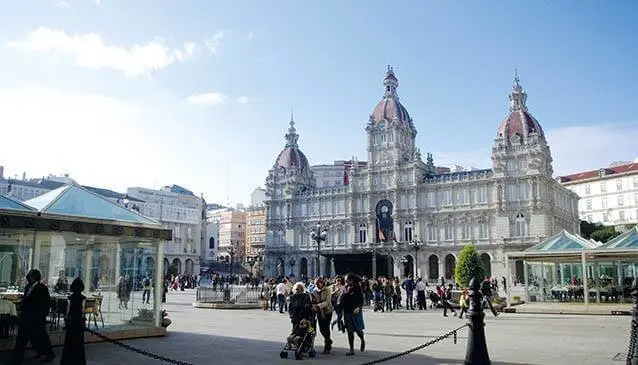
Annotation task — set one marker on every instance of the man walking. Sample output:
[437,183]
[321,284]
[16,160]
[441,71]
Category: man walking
[408,286]
[35,307]
[420,294]
[486,290]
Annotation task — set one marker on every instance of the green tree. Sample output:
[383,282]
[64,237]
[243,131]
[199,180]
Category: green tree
[172,270]
[604,234]
[468,266]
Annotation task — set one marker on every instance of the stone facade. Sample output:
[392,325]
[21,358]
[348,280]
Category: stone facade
[399,214]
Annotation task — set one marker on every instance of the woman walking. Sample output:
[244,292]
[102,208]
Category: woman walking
[73,351]
[352,301]
[323,307]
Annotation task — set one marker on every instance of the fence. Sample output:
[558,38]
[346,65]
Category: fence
[233,294]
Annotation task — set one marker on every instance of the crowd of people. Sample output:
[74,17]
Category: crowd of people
[345,298]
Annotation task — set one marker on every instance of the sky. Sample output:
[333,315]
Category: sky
[121,93]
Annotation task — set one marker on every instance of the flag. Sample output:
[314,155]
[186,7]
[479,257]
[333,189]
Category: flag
[381,235]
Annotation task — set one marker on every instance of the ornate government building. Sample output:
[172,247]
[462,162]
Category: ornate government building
[397,215]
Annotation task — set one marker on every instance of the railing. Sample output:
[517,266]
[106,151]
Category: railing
[233,294]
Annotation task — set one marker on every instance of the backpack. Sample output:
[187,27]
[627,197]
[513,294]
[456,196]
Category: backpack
[146,282]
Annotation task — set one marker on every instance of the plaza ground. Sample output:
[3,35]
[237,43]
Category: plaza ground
[203,336]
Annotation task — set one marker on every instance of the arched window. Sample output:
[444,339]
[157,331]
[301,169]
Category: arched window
[211,243]
[407,231]
[520,225]
[363,233]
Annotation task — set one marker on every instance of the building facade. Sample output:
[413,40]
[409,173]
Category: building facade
[255,230]
[179,210]
[398,215]
[335,174]
[210,254]
[608,195]
[257,197]
[232,233]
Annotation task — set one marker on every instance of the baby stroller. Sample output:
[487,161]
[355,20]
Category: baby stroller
[301,340]
[379,303]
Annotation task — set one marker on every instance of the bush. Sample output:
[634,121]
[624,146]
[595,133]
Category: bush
[468,266]
[516,298]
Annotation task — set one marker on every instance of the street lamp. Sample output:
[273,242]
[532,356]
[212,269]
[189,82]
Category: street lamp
[416,245]
[292,263]
[231,252]
[317,235]
[252,260]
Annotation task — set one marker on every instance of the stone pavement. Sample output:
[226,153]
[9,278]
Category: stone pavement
[201,336]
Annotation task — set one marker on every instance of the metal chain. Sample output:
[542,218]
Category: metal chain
[633,338]
[135,349]
[441,338]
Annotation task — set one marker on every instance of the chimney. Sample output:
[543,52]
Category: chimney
[1,172]
[24,176]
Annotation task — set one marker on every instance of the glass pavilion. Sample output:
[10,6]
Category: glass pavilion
[72,232]
[569,268]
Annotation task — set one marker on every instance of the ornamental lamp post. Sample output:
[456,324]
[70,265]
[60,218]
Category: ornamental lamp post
[318,235]
[231,252]
[292,263]
[416,245]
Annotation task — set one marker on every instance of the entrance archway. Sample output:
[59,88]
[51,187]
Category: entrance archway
[450,264]
[189,267]
[150,266]
[166,265]
[303,267]
[433,271]
[520,272]
[408,265]
[486,260]
[178,265]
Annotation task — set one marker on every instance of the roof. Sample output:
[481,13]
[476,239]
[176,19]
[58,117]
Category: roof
[111,194]
[292,157]
[563,241]
[593,174]
[521,123]
[461,173]
[8,203]
[628,239]
[179,190]
[39,183]
[390,108]
[76,200]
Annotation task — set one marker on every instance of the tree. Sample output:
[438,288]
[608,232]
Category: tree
[468,266]
[604,234]
[586,228]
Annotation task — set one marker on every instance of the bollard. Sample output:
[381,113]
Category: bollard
[476,353]
[632,353]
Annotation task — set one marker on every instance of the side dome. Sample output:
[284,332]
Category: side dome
[291,157]
[519,122]
[390,108]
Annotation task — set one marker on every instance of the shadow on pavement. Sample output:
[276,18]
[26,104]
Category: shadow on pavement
[203,349]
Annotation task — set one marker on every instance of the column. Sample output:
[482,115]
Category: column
[426,269]
[374,264]
[508,278]
[88,264]
[118,262]
[583,259]
[441,269]
[526,281]
[159,284]
[34,253]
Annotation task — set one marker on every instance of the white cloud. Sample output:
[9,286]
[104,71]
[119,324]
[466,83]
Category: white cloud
[213,43]
[61,3]
[208,99]
[91,51]
[243,100]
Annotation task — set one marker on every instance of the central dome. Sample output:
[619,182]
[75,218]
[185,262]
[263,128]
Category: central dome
[389,108]
[519,123]
[291,157]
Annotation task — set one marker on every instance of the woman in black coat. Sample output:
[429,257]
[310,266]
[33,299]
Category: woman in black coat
[73,351]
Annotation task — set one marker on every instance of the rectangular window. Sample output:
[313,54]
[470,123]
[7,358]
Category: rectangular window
[635,182]
[621,215]
[603,203]
[605,217]
[620,200]
[603,187]
[523,191]
[482,228]
[432,233]
[588,204]
[449,233]
[447,197]
[465,231]
[464,196]
[619,185]
[431,199]
[587,189]
[636,199]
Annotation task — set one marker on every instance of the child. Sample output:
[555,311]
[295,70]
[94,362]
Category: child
[298,334]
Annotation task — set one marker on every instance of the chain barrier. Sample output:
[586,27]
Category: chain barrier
[135,349]
[387,358]
[400,354]
[633,338]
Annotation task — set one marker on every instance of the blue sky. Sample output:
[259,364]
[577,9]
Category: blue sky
[124,93]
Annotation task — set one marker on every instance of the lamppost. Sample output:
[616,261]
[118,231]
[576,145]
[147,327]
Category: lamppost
[404,260]
[416,245]
[252,260]
[318,235]
[292,263]
[231,252]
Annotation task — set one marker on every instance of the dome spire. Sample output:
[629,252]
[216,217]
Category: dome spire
[292,136]
[517,97]
[390,83]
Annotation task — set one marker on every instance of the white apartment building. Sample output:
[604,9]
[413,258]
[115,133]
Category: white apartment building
[180,210]
[210,251]
[335,174]
[257,197]
[608,195]
[232,232]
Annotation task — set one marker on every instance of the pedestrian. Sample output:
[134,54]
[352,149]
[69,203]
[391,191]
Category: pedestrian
[323,307]
[420,294]
[353,301]
[73,352]
[35,308]
[464,302]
